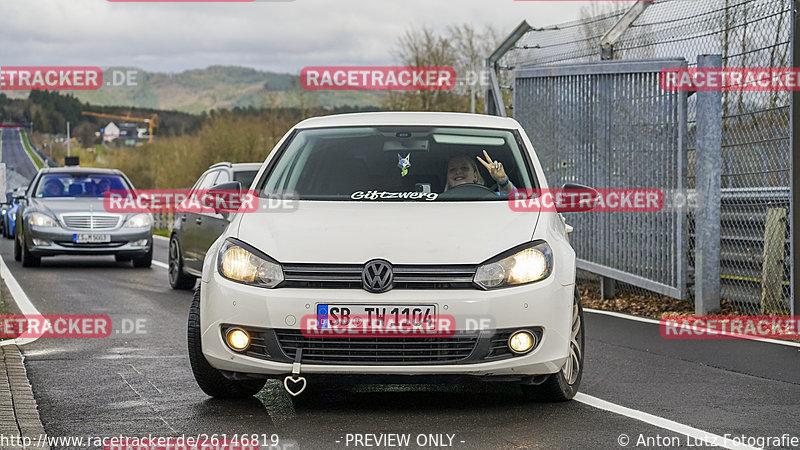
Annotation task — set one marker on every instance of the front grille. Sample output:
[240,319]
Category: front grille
[346,276]
[90,221]
[377,351]
[462,348]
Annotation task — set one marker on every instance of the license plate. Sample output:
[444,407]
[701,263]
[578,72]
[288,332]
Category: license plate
[344,315]
[91,238]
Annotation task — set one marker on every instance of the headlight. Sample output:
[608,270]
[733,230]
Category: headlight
[39,220]
[139,221]
[240,262]
[522,265]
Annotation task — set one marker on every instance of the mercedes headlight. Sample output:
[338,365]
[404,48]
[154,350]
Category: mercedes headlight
[240,262]
[139,221]
[521,265]
[36,219]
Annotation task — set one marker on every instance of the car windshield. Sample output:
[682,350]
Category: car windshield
[400,164]
[245,177]
[78,185]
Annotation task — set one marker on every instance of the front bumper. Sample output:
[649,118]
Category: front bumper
[544,306]
[59,241]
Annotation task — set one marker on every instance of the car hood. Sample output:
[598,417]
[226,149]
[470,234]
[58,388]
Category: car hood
[58,206]
[402,233]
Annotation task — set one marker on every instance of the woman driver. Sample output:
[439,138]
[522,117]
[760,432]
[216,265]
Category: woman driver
[463,169]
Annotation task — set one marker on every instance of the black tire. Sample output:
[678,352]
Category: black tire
[144,261]
[17,250]
[122,258]
[210,380]
[28,259]
[563,385]
[177,278]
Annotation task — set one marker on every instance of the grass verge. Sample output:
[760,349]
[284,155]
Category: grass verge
[36,160]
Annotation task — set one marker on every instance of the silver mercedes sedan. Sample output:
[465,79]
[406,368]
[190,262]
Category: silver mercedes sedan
[62,213]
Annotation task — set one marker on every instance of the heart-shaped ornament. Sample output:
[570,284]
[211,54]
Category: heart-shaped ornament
[296,381]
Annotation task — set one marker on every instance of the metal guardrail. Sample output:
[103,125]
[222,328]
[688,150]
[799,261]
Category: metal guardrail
[743,221]
[46,159]
[163,221]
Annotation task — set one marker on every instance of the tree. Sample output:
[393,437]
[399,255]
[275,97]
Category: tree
[461,47]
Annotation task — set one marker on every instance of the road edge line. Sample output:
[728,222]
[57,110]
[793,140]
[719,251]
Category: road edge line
[660,422]
[22,301]
[656,322]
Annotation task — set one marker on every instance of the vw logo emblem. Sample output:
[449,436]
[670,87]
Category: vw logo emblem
[377,276]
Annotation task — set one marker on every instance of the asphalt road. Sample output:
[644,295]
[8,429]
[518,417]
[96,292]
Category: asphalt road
[141,384]
[15,156]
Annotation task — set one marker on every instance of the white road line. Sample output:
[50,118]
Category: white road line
[23,303]
[694,433]
[681,326]
[160,264]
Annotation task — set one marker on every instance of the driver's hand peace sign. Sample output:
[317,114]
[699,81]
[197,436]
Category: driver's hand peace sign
[495,168]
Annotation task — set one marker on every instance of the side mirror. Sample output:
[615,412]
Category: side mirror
[229,186]
[584,198]
[19,196]
[229,194]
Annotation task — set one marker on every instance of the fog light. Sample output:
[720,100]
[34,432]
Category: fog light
[238,339]
[521,341]
[40,242]
[140,243]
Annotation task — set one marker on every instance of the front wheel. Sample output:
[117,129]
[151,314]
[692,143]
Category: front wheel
[17,249]
[563,385]
[211,380]
[28,259]
[178,279]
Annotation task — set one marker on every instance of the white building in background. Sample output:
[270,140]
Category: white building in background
[110,132]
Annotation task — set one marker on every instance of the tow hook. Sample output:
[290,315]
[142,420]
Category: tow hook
[298,383]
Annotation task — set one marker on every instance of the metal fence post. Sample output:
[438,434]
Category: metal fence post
[616,32]
[795,168]
[494,96]
[708,160]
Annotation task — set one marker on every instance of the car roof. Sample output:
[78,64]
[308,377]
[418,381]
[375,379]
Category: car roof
[236,167]
[409,119]
[246,166]
[82,170]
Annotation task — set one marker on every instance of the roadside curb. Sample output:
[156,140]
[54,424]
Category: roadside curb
[19,416]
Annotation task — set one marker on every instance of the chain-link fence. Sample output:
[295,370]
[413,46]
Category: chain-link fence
[756,126]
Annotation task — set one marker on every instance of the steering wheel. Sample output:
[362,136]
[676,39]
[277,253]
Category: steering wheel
[469,191]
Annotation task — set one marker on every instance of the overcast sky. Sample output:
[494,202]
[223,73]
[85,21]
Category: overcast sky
[276,36]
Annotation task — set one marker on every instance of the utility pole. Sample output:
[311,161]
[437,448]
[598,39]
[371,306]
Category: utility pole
[69,142]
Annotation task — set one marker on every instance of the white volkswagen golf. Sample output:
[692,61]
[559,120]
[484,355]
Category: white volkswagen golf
[398,257]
